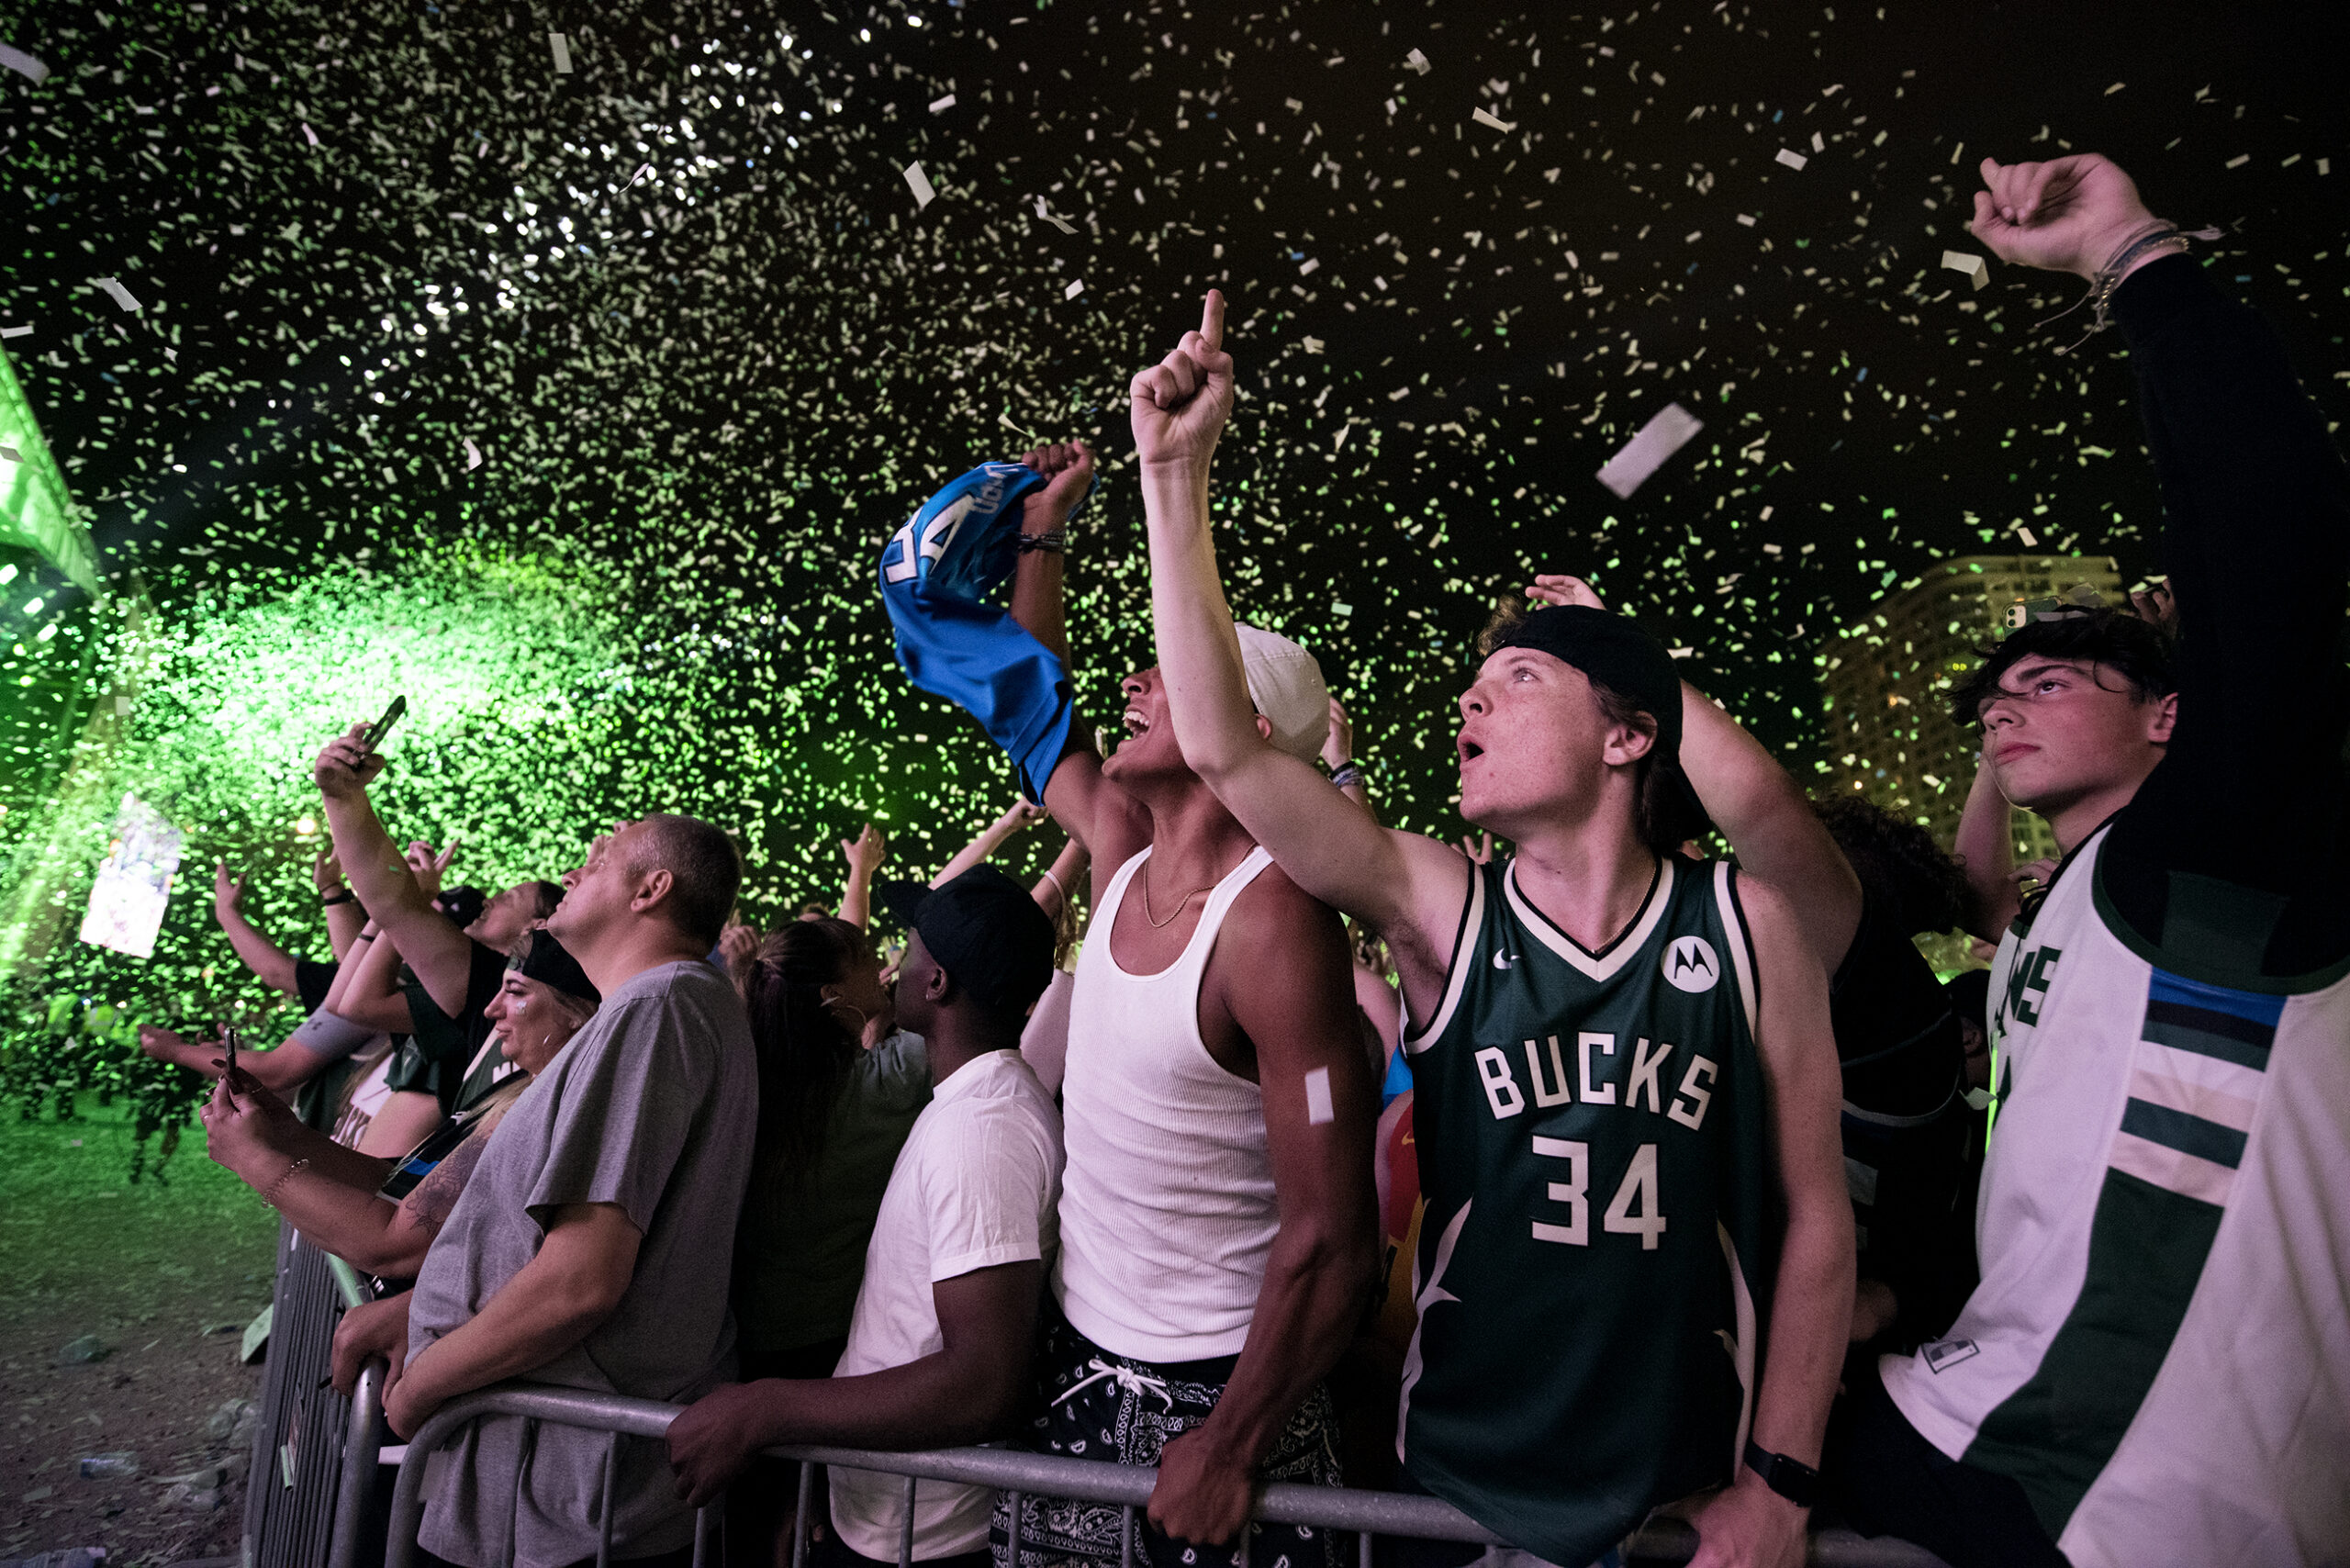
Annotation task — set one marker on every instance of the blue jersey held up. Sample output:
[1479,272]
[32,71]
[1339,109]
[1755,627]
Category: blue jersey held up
[938,572]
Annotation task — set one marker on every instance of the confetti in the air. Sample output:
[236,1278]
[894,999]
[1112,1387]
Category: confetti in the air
[919,183]
[1076,287]
[308,135]
[472,455]
[1417,61]
[1318,1107]
[1667,431]
[1063,224]
[24,329]
[1481,117]
[940,105]
[122,296]
[1792,159]
[562,48]
[1972,265]
[23,65]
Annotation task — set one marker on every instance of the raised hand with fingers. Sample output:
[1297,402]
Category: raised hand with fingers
[2158,607]
[1556,587]
[326,872]
[227,890]
[2068,215]
[1338,745]
[1480,848]
[1179,406]
[1068,468]
[865,852]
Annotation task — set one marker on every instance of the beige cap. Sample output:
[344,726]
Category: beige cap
[1286,686]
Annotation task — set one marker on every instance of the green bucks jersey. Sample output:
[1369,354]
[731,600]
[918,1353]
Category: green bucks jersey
[1593,1157]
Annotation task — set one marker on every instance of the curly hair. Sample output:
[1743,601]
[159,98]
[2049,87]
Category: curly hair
[1900,867]
[1660,813]
[804,1050]
[2106,639]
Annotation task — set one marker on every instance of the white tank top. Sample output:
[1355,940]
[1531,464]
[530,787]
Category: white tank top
[1167,1204]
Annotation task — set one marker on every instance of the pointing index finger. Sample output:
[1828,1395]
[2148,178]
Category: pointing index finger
[1212,319]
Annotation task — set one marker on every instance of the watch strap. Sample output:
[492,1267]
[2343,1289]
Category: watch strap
[1790,1478]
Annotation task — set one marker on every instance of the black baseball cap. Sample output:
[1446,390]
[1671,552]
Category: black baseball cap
[985,931]
[541,957]
[1617,655]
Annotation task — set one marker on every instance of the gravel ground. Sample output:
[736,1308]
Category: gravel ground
[156,1281]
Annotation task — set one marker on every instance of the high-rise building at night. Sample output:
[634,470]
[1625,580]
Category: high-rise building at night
[1887,679]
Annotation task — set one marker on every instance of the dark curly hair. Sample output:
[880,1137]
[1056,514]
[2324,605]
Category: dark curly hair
[1662,813]
[2114,639]
[1900,867]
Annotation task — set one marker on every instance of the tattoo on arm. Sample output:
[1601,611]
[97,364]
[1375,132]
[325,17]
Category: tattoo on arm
[436,1196]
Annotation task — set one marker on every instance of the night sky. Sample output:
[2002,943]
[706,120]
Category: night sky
[364,235]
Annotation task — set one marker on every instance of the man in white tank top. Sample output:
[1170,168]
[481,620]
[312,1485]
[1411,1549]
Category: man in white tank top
[1216,1216]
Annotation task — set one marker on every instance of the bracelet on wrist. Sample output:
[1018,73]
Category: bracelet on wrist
[269,1193]
[1347,774]
[1052,541]
[339,895]
[2155,236]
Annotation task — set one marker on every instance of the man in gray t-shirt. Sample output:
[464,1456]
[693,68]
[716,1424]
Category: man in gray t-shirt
[591,1247]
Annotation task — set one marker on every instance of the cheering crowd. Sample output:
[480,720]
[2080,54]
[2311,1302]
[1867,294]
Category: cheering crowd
[1566,1184]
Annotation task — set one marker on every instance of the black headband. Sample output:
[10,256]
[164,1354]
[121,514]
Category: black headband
[545,959]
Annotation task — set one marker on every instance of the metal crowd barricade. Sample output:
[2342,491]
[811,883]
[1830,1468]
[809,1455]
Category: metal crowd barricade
[1366,1515]
[310,1487]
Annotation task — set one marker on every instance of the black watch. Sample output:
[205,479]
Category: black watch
[1791,1479]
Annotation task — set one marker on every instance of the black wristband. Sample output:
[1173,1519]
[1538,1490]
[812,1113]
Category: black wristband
[1790,1478]
[340,895]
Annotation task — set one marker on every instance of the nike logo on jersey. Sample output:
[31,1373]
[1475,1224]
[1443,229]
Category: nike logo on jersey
[1503,960]
[1689,965]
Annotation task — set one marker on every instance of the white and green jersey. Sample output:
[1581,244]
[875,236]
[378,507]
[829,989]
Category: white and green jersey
[1594,1263]
[2159,1350]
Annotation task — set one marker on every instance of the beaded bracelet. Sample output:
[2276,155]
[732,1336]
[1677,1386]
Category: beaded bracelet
[269,1193]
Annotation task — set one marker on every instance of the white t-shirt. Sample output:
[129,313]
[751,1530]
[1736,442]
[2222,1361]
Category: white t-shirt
[977,1184]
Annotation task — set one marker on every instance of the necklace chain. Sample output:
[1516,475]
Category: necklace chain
[1162,924]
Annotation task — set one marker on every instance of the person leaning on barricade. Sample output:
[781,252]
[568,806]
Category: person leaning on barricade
[590,1248]
[2152,1369]
[1636,1266]
[937,1354]
[380,1215]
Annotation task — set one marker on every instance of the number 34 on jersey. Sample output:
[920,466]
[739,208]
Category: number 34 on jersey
[1635,1209]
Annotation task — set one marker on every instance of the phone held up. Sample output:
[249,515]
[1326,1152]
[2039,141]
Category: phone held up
[382,726]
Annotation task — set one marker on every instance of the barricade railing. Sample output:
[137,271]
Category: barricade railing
[1366,1515]
[307,1496]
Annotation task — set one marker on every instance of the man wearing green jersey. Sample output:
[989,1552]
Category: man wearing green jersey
[1636,1270]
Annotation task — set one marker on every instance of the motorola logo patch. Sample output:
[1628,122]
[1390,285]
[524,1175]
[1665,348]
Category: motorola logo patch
[1690,965]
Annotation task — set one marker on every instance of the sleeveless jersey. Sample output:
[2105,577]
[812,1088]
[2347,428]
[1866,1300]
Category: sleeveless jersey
[1592,1144]
[2159,1350]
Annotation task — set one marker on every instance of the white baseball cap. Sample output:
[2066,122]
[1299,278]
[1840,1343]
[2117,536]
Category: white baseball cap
[1286,686]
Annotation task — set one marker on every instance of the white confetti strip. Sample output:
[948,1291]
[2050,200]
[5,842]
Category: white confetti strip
[1818,143]
[15,331]
[1319,1108]
[1417,61]
[562,48]
[1311,345]
[1481,117]
[1311,265]
[1074,289]
[122,296]
[1747,220]
[23,65]
[1063,224]
[309,135]
[940,105]
[472,455]
[1792,159]
[1960,262]
[919,183]
[1667,433]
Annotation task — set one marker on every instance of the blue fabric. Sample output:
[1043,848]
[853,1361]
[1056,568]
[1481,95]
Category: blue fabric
[938,575]
[1398,1082]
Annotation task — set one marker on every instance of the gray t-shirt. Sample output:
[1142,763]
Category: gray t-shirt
[651,1108]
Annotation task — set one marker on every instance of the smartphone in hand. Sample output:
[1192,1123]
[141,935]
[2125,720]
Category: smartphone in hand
[382,726]
[229,1044]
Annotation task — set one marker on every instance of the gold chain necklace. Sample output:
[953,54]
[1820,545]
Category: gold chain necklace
[1163,924]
